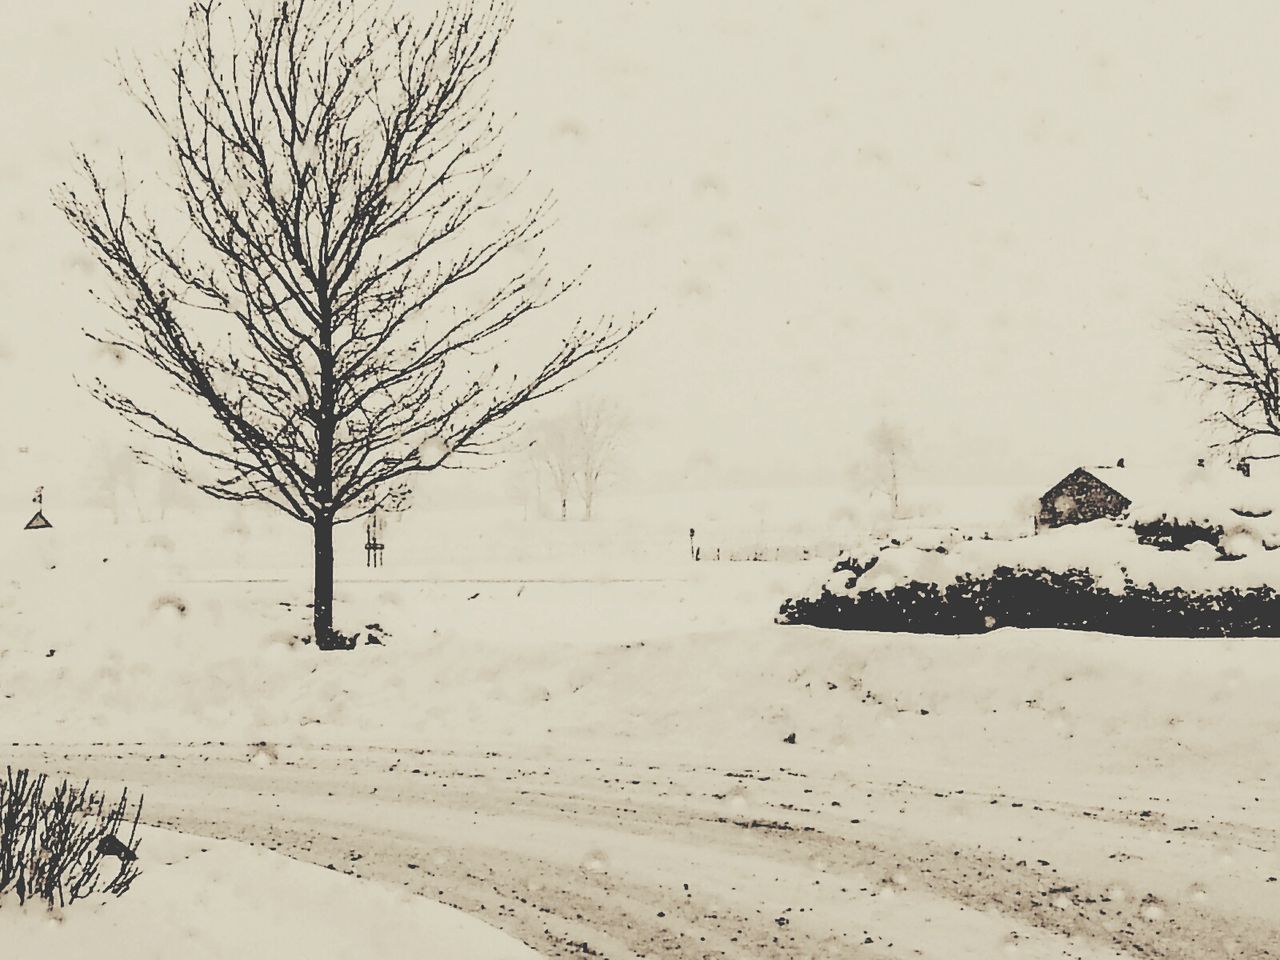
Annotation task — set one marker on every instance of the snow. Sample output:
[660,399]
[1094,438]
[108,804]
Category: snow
[1178,490]
[516,646]
[1109,549]
[550,643]
[202,898]
[1190,494]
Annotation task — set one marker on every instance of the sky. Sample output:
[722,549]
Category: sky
[978,222]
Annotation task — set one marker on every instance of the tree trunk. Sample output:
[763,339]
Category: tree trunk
[322,520]
[564,508]
[322,597]
[893,482]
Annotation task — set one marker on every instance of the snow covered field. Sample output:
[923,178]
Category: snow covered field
[587,748]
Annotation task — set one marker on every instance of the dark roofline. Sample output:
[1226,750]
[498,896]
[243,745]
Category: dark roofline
[1088,472]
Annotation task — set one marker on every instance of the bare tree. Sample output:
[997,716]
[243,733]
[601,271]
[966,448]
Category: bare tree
[576,452]
[1233,353]
[340,299]
[555,456]
[889,442]
[597,430]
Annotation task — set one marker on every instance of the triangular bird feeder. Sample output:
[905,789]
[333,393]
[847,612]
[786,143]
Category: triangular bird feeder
[38,522]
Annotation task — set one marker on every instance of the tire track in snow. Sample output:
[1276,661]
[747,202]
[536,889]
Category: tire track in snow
[605,858]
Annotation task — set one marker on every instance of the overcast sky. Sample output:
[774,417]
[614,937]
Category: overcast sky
[975,220]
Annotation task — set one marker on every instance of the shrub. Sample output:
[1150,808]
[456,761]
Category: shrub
[854,565]
[53,843]
[1171,534]
[1021,597]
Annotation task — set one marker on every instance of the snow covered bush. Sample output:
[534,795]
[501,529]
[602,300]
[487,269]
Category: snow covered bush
[52,844]
[1019,597]
[1172,534]
[1101,578]
[854,567]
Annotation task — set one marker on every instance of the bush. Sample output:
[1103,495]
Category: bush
[52,844]
[1021,597]
[1172,534]
[854,567]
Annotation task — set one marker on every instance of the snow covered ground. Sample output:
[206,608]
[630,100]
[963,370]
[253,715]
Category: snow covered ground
[214,899]
[564,728]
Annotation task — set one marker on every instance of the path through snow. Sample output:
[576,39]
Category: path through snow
[596,856]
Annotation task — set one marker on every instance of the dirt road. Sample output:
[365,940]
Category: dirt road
[592,856]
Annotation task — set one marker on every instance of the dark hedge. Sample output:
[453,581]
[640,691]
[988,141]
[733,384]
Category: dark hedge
[1021,597]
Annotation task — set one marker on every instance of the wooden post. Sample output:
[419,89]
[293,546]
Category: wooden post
[372,546]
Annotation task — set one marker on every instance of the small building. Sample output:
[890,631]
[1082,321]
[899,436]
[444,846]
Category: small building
[1213,494]
[1080,497]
